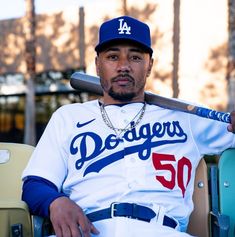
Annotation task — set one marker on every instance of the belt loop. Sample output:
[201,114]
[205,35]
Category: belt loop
[134,210]
[160,212]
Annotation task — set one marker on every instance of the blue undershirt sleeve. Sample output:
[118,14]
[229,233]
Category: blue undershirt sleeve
[39,193]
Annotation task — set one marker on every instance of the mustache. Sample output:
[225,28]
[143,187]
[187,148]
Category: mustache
[122,76]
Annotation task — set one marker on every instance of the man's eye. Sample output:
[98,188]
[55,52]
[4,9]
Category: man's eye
[112,57]
[135,58]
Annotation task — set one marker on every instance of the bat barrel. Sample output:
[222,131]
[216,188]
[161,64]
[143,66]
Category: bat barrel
[80,81]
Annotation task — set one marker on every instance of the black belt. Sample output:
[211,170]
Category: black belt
[130,210]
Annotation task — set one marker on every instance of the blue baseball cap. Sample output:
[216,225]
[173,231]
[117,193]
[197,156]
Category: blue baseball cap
[124,28]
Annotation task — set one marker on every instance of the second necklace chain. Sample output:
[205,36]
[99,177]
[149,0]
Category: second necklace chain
[131,125]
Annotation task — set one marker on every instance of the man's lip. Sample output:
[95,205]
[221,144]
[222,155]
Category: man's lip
[122,81]
[123,78]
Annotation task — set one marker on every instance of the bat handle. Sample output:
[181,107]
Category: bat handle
[213,114]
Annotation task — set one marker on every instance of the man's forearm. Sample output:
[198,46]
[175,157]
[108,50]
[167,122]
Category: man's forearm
[39,193]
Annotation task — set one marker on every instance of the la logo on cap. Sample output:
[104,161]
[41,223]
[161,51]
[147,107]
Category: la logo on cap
[124,28]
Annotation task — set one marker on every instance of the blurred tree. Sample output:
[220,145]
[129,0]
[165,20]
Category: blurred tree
[217,58]
[216,64]
[30,58]
[81,45]
[124,7]
[176,48]
[231,54]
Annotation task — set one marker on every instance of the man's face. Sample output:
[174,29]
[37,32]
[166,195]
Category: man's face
[123,69]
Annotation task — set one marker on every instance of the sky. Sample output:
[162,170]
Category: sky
[16,8]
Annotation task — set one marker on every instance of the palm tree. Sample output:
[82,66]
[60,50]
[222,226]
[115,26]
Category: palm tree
[30,58]
[231,54]
[176,48]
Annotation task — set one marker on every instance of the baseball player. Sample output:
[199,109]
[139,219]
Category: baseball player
[118,166]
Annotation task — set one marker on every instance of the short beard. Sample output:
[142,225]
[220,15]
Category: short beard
[124,97]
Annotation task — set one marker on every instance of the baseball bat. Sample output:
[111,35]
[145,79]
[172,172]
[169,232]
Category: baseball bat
[84,82]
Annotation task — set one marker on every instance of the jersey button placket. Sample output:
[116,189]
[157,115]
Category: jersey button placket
[124,118]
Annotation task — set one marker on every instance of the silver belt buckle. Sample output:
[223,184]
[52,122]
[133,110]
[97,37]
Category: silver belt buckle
[112,206]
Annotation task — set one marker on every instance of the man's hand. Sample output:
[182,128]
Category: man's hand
[231,127]
[66,217]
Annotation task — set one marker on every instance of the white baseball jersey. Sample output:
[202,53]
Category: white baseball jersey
[153,164]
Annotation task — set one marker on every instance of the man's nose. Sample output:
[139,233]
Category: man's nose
[123,65]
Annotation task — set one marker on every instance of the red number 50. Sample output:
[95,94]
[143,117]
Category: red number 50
[182,163]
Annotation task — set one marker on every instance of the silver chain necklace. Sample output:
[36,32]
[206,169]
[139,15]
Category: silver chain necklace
[118,131]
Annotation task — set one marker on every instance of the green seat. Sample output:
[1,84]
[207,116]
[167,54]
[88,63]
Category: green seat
[219,222]
[227,187]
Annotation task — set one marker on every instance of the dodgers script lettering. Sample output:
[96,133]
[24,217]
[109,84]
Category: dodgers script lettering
[151,136]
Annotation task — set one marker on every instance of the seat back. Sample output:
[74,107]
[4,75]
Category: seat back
[14,215]
[227,187]
[199,219]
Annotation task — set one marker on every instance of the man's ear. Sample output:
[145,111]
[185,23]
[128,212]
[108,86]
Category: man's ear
[97,65]
[150,67]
